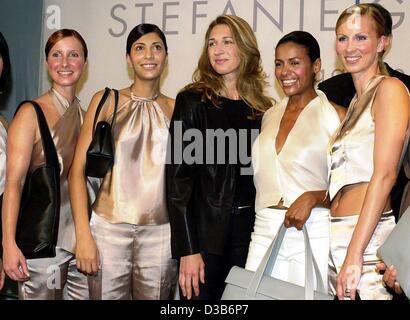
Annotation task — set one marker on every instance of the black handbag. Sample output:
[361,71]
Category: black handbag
[39,214]
[100,153]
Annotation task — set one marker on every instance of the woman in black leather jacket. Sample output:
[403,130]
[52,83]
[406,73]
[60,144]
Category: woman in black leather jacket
[210,191]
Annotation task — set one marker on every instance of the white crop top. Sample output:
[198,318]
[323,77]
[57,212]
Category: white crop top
[351,156]
[302,163]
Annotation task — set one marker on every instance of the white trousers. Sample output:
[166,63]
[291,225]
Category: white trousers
[54,279]
[290,263]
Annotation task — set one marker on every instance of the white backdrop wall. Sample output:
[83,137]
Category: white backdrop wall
[105,24]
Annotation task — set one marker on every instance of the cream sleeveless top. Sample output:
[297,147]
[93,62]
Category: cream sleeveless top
[133,191]
[301,165]
[351,156]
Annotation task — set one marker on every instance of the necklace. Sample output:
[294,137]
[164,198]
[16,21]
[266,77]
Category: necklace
[135,97]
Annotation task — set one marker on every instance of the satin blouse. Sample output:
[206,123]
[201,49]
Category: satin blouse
[65,134]
[133,191]
[301,165]
[351,156]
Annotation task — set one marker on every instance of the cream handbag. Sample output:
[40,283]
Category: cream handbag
[242,284]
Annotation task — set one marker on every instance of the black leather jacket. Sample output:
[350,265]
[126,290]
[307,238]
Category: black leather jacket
[201,196]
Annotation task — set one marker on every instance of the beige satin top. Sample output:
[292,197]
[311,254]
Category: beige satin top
[65,134]
[133,191]
[301,165]
[351,156]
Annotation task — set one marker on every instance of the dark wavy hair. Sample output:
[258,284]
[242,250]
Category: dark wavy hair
[142,29]
[6,73]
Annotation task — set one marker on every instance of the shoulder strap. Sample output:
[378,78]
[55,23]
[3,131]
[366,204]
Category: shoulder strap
[100,105]
[50,152]
[115,106]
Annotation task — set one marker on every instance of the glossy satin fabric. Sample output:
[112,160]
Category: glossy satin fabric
[3,141]
[302,163]
[72,284]
[135,261]
[370,285]
[65,134]
[133,191]
[290,263]
[54,279]
[351,157]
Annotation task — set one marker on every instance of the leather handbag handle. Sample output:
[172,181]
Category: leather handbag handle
[50,153]
[269,259]
[100,105]
[115,106]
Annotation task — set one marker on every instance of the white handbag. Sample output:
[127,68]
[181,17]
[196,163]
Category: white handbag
[242,284]
[395,251]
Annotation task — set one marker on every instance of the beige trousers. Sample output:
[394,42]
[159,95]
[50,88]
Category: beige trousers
[135,262]
[54,279]
[370,285]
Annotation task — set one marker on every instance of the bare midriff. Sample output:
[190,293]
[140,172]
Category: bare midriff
[279,206]
[349,200]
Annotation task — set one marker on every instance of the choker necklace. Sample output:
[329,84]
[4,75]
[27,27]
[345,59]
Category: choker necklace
[135,97]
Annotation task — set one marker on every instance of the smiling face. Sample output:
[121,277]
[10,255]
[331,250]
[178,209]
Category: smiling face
[294,70]
[66,62]
[358,45]
[147,57]
[223,52]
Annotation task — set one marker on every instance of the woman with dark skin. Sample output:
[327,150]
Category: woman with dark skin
[289,189]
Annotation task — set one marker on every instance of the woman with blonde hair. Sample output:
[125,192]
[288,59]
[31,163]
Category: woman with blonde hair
[365,155]
[211,195]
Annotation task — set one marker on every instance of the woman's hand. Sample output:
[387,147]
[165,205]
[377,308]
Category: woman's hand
[87,255]
[191,271]
[390,277]
[14,263]
[300,210]
[349,276]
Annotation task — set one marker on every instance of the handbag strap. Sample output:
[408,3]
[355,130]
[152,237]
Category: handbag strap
[115,106]
[102,102]
[269,259]
[100,105]
[50,153]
